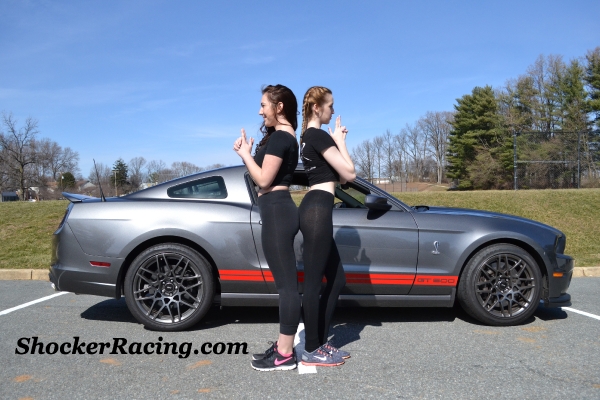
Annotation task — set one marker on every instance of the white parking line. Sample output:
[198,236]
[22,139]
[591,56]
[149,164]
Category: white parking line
[31,303]
[587,314]
[299,348]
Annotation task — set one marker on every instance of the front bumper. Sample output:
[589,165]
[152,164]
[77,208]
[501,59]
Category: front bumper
[558,285]
[563,300]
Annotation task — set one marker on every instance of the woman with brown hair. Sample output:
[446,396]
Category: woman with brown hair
[326,161]
[272,169]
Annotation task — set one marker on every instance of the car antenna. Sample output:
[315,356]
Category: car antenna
[99,185]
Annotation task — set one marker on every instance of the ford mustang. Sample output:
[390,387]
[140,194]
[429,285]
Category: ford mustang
[177,248]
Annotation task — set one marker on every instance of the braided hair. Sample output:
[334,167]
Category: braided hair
[279,94]
[314,95]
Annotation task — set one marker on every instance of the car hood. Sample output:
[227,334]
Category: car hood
[479,213]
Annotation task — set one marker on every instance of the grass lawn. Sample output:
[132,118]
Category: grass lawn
[26,228]
[26,232]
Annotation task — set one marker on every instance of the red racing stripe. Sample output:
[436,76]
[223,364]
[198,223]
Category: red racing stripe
[351,278]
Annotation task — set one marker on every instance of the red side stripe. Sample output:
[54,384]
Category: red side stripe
[352,278]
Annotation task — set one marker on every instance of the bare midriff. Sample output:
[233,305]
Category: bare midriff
[271,189]
[326,186]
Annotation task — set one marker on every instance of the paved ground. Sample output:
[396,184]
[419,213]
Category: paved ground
[402,353]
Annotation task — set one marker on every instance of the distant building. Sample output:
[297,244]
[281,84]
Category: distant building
[10,196]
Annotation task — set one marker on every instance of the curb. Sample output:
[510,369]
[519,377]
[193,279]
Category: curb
[42,274]
[24,274]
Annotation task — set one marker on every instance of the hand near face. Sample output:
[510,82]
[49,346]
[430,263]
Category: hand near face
[242,145]
[340,131]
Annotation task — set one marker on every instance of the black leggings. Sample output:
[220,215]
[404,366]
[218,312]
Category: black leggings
[279,216]
[321,259]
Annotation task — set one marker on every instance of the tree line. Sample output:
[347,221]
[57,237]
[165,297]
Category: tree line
[125,178]
[552,110]
[41,168]
[27,161]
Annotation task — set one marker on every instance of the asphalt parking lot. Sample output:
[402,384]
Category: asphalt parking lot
[434,353]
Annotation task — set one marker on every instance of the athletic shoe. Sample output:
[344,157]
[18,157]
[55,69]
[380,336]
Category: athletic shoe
[275,362]
[267,353]
[321,358]
[328,347]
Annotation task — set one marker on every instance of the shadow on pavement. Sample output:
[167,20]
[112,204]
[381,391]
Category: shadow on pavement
[109,310]
[347,323]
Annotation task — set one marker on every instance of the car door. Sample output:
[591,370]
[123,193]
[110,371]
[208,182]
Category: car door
[379,249]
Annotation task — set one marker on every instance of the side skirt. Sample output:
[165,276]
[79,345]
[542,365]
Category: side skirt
[345,300]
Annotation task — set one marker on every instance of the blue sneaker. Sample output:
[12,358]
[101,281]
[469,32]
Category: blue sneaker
[320,358]
[328,347]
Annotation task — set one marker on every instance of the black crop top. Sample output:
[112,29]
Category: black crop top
[283,145]
[314,143]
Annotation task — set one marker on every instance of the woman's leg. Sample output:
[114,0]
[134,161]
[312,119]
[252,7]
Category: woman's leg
[280,225]
[336,280]
[317,230]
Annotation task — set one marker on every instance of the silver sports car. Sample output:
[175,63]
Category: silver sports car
[175,249]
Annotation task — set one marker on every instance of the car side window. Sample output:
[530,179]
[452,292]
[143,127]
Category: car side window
[350,196]
[207,188]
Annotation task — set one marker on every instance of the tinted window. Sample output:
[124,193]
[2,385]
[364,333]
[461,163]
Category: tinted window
[351,196]
[208,188]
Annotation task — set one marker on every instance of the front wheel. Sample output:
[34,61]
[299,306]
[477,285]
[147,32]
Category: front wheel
[169,287]
[501,285]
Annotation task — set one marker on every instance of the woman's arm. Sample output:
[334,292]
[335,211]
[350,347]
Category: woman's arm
[336,159]
[264,176]
[339,158]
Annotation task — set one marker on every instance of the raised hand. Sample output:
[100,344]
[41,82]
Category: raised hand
[242,145]
[339,135]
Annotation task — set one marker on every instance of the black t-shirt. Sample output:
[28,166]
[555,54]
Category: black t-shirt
[314,143]
[283,145]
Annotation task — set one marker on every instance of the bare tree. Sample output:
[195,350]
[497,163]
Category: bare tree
[183,168]
[103,178]
[18,150]
[379,151]
[400,159]
[214,166]
[437,127]
[136,173]
[54,160]
[364,158]
[389,154]
[414,148]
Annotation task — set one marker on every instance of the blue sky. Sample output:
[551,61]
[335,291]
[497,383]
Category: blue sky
[176,80]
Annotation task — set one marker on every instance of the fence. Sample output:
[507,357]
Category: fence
[556,160]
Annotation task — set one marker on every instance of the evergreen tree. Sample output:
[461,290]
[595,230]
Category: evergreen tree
[119,178]
[476,131]
[592,78]
[573,105]
[67,181]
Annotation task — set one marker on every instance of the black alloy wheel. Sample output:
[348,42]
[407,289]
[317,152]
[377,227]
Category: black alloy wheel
[169,287]
[501,285]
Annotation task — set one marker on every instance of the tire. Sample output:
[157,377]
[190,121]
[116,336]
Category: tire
[501,285]
[169,287]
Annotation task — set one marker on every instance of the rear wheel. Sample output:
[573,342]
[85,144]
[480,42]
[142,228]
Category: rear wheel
[169,287]
[501,285]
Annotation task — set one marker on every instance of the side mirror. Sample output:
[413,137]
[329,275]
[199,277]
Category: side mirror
[373,202]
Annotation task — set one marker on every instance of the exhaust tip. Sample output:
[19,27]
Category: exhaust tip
[54,287]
